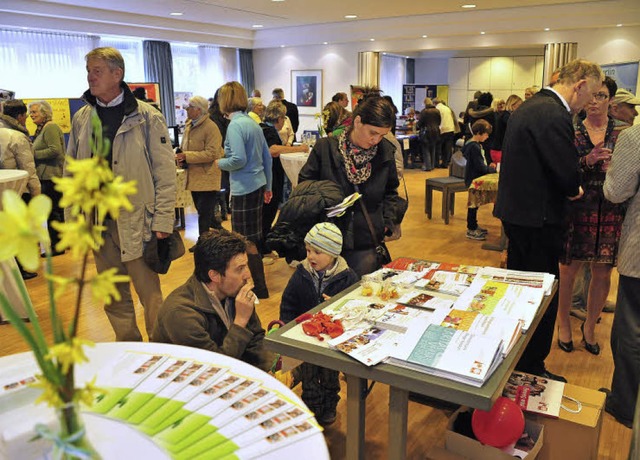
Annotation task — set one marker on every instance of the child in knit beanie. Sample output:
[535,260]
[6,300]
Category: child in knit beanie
[320,276]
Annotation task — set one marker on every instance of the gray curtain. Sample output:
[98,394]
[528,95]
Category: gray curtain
[411,71]
[555,56]
[158,67]
[245,56]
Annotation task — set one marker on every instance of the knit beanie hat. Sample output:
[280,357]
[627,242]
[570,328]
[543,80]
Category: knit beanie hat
[325,237]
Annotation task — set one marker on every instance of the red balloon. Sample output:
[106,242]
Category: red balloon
[501,426]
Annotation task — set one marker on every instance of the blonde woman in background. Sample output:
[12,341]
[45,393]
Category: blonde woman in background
[49,148]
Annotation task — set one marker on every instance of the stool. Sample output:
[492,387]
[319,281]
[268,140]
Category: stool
[449,186]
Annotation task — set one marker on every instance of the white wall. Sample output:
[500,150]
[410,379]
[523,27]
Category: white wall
[339,62]
[432,71]
[502,76]
[273,66]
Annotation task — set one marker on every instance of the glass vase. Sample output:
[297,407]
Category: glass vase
[73,441]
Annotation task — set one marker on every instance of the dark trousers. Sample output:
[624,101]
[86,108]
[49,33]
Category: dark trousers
[205,203]
[625,347]
[246,219]
[57,213]
[538,250]
[472,218]
[428,149]
[320,388]
[446,148]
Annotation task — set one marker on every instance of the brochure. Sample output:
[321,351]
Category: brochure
[448,353]
[369,346]
[496,298]
[535,394]
[418,298]
[532,279]
[452,283]
[507,329]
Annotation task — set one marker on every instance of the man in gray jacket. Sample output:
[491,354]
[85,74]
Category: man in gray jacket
[140,150]
[622,184]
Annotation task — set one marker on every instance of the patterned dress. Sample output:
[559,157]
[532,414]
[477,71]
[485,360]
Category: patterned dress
[594,226]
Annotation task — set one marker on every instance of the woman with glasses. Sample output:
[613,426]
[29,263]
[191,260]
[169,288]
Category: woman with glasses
[594,223]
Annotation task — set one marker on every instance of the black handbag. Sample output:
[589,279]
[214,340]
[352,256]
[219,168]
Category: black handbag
[383,257]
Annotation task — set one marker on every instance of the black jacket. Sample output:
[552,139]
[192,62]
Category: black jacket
[380,191]
[292,113]
[476,163]
[539,168]
[305,207]
[302,294]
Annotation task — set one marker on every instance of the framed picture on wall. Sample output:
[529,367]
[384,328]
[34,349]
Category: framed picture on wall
[306,91]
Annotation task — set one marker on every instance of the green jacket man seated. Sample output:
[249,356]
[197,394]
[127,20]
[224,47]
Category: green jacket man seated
[215,309]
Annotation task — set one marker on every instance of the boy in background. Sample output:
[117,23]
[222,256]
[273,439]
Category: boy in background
[476,167]
[320,276]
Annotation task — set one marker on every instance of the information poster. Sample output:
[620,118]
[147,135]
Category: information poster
[625,74]
[63,112]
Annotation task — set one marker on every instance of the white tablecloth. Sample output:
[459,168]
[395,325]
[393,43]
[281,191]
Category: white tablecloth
[292,163]
[117,440]
[12,179]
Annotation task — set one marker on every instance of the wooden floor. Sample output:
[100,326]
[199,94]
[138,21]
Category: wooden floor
[422,238]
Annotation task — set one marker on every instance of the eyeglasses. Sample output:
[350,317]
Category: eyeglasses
[600,96]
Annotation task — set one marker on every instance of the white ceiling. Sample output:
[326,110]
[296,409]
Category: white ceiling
[304,22]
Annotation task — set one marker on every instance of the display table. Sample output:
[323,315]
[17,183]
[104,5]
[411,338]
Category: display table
[116,439]
[401,381]
[292,163]
[410,148]
[484,190]
[12,179]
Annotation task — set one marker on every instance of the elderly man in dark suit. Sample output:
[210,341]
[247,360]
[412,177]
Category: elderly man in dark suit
[292,109]
[539,174]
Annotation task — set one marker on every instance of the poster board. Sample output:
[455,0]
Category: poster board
[153,91]
[625,74]
[413,95]
[63,111]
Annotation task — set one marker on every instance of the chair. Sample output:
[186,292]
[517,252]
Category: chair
[449,186]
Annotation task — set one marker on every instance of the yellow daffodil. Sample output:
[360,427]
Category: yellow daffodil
[79,236]
[87,395]
[23,228]
[69,353]
[113,198]
[61,283]
[50,394]
[103,286]
[80,188]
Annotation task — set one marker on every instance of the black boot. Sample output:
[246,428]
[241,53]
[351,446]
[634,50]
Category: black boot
[257,272]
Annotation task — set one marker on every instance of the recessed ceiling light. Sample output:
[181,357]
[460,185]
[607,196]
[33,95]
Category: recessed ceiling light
[281,46]
[277,0]
[350,16]
[469,5]
[176,14]
[618,25]
[424,36]
[257,26]
[325,43]
[372,39]
[407,57]
[482,33]
[546,29]
[384,54]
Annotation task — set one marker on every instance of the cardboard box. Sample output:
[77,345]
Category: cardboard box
[469,448]
[573,435]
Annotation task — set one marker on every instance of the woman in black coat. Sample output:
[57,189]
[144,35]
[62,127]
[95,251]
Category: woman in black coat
[361,160]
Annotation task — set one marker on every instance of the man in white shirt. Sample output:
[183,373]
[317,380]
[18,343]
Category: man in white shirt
[447,132]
